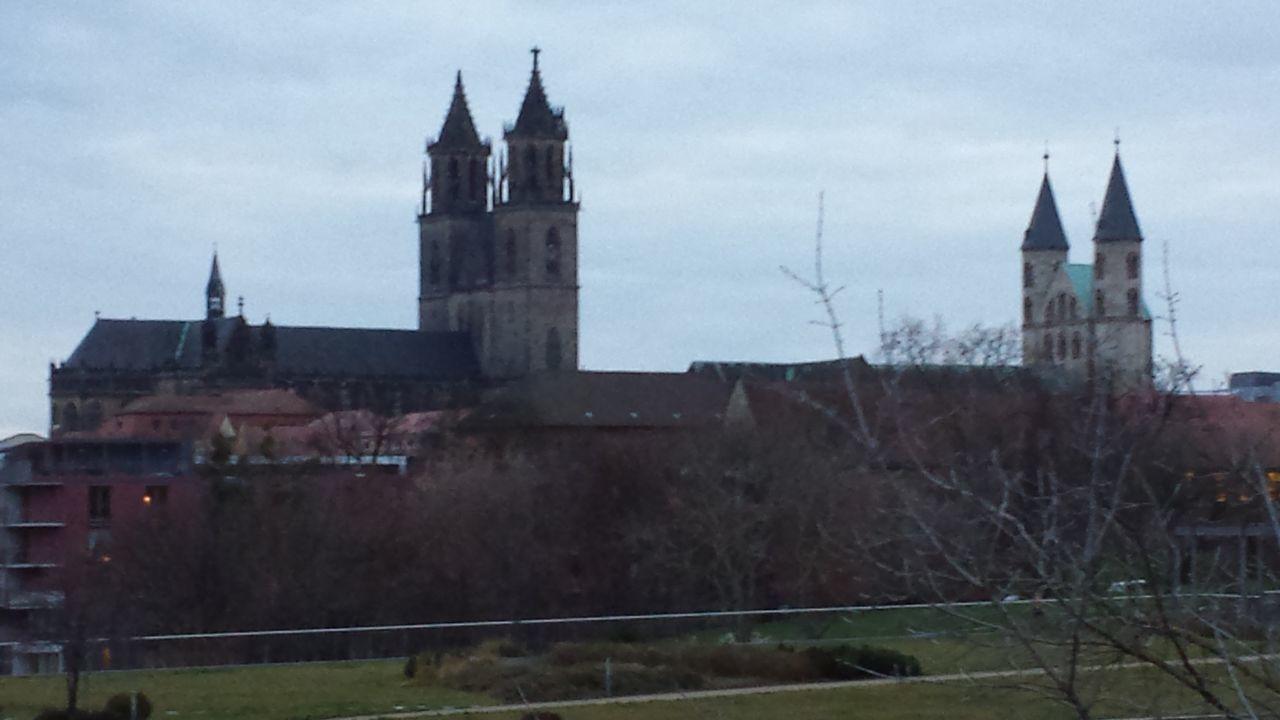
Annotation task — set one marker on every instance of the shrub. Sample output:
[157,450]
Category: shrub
[848,662]
[411,667]
[120,706]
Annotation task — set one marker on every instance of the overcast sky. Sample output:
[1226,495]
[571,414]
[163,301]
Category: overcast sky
[137,135]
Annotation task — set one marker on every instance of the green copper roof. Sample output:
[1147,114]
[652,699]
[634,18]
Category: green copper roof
[1081,277]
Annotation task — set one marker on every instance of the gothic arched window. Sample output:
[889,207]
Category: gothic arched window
[1047,351]
[553,349]
[531,166]
[1028,315]
[1099,266]
[1100,304]
[1075,346]
[1074,309]
[1028,275]
[433,265]
[1133,303]
[1062,307]
[1048,312]
[1062,346]
[553,253]
[454,180]
[1131,266]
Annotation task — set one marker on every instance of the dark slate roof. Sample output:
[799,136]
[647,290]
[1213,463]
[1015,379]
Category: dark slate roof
[1044,232]
[322,351]
[604,400]
[459,130]
[537,119]
[215,280]
[359,351]
[1117,220]
[1253,379]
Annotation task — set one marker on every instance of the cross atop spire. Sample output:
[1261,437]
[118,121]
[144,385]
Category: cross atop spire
[535,50]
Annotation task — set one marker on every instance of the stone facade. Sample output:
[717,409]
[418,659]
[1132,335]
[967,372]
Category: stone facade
[1087,323]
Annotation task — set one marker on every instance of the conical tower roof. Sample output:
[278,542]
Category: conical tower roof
[459,130]
[214,287]
[537,118]
[1117,220]
[1044,232]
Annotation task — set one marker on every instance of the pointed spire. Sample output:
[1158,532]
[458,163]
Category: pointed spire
[214,292]
[1117,220]
[537,118]
[459,130]
[1044,232]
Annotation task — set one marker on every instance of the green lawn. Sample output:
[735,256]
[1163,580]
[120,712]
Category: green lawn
[268,693]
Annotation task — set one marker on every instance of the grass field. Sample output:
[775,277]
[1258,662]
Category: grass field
[269,692]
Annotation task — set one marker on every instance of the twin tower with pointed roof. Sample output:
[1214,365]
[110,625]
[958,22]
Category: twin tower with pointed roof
[1087,323]
[498,238]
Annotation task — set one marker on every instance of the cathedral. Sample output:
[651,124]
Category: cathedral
[498,298]
[1087,323]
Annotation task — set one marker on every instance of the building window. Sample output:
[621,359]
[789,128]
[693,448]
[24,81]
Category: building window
[1131,266]
[553,253]
[1048,347]
[1133,303]
[1027,311]
[156,496]
[1062,307]
[1075,346]
[99,505]
[1028,275]
[1048,312]
[1100,304]
[1099,266]
[1062,346]
[554,357]
[1074,308]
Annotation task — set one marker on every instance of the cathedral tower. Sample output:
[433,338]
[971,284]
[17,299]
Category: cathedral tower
[1123,323]
[536,228]
[1086,322]
[455,228]
[499,252]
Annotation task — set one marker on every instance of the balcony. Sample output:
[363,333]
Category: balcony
[19,475]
